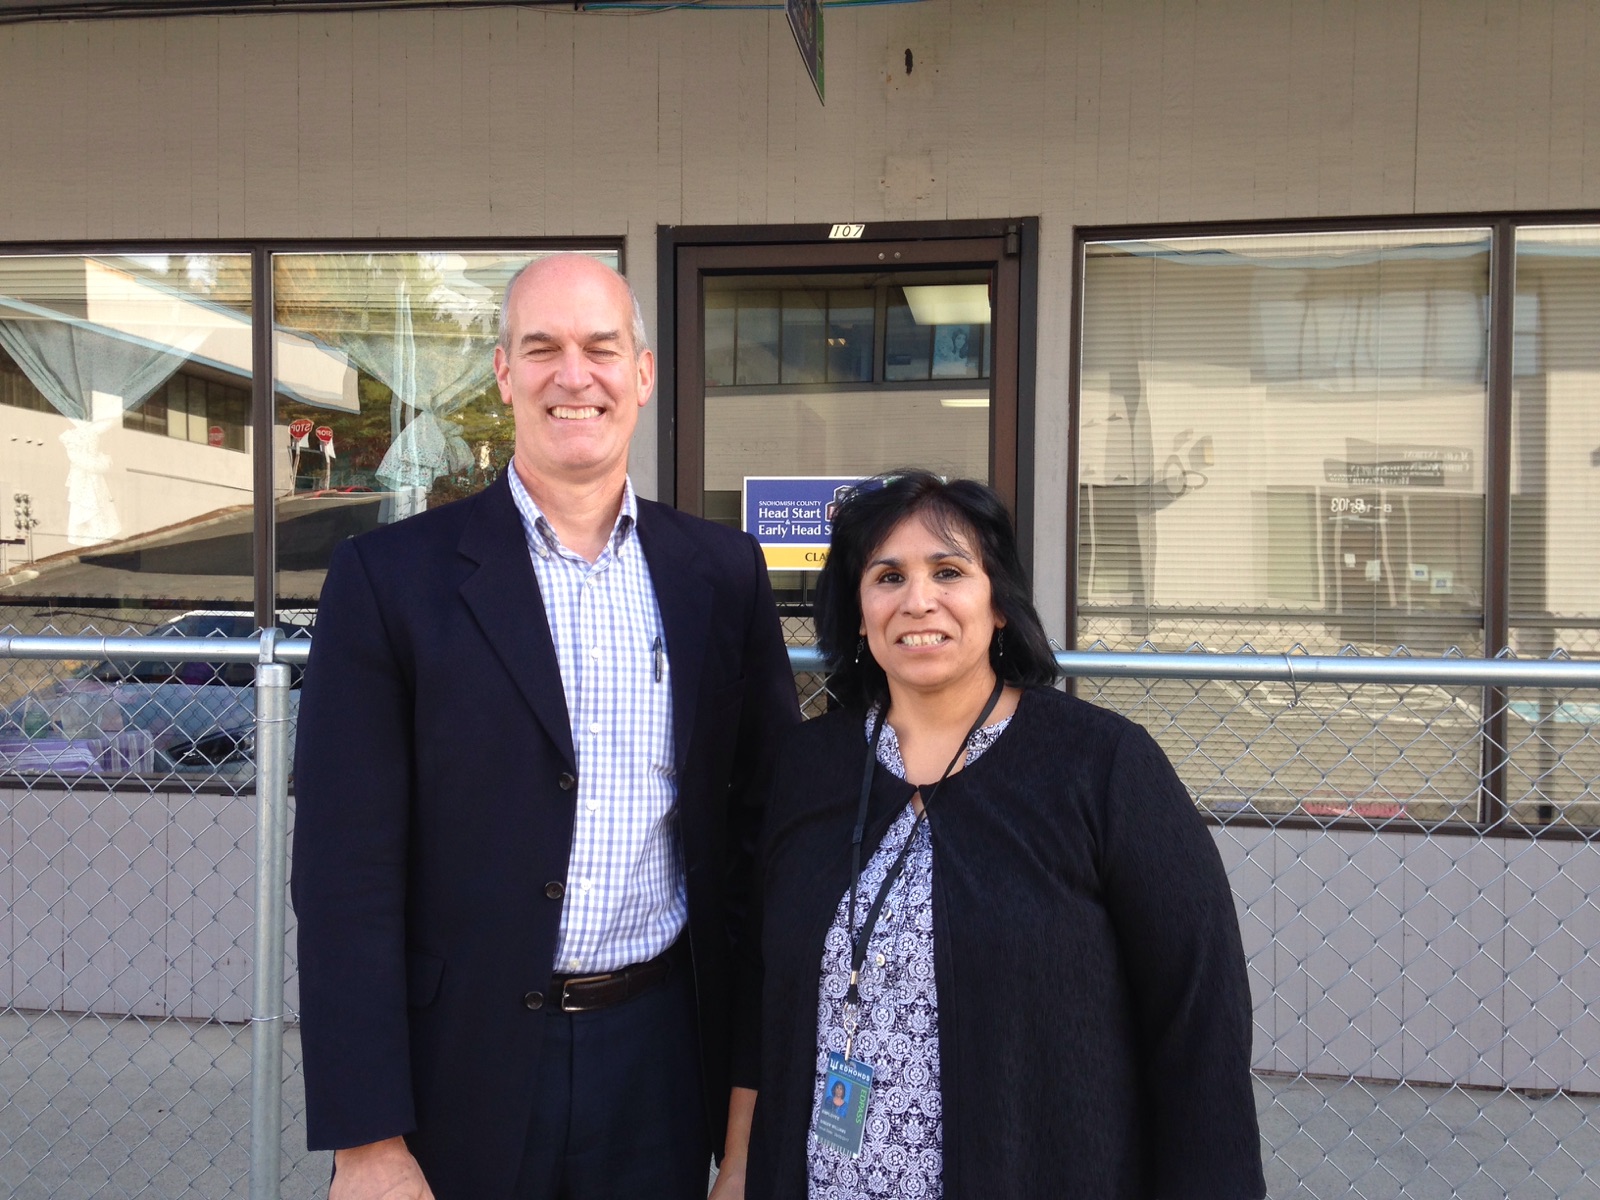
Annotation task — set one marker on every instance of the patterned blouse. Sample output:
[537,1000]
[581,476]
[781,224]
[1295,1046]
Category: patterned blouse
[902,1149]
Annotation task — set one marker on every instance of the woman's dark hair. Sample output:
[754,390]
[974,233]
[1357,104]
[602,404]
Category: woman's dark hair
[963,508]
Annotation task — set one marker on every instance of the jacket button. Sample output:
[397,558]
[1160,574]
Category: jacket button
[555,890]
[568,781]
[533,1000]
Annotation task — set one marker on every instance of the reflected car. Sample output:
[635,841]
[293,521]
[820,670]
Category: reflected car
[149,715]
[207,623]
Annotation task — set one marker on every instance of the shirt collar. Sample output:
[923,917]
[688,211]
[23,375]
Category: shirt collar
[541,535]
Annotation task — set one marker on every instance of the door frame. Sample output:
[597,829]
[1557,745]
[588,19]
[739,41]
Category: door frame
[1009,247]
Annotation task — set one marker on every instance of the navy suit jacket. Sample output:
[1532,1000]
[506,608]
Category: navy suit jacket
[435,804]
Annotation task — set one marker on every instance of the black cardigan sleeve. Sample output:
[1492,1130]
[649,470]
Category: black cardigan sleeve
[1172,909]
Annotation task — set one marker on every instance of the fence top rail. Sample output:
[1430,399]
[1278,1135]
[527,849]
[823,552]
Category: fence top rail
[157,647]
[1294,669]
[1303,669]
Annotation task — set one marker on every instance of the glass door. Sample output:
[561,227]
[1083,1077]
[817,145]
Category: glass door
[797,378]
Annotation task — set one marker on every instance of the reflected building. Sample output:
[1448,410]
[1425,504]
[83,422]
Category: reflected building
[128,388]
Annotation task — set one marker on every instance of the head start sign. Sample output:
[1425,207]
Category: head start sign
[792,517]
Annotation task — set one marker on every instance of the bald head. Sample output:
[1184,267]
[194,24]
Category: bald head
[555,269]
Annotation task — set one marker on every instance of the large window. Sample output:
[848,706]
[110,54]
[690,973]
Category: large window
[1555,441]
[132,494]
[125,472]
[1554,512]
[1282,440]
[1288,440]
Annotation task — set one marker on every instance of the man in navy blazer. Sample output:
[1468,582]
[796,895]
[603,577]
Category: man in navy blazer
[504,696]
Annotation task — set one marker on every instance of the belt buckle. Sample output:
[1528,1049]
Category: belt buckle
[570,1005]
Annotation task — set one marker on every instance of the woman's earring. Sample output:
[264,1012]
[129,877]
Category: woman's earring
[1000,643]
[861,644]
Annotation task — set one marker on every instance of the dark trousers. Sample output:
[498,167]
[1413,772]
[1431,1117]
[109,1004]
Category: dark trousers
[619,1116]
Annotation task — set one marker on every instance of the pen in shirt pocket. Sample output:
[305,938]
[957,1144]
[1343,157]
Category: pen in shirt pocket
[658,654]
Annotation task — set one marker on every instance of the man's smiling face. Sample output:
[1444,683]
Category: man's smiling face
[572,375]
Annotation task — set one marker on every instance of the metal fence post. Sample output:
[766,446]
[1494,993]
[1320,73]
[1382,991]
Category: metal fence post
[272,852]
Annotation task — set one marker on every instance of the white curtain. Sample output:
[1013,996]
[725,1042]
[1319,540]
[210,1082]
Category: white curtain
[90,376]
[430,378]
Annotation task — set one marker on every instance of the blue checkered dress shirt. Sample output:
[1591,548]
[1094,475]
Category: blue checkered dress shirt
[625,894]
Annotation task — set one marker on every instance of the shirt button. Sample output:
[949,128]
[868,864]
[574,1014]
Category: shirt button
[595,653]
[567,781]
[878,960]
[533,1000]
[555,889]
[587,885]
[574,964]
[592,803]
[594,726]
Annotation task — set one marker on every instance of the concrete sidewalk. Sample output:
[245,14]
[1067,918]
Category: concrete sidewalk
[104,1107]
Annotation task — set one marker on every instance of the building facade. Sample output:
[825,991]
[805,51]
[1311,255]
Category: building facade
[1276,322]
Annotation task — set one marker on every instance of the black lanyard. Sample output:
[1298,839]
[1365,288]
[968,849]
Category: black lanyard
[858,948]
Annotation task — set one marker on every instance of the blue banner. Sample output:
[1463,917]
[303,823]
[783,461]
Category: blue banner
[792,517]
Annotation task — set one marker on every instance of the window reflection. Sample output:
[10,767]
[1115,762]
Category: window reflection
[807,336]
[759,345]
[851,318]
[211,412]
[1282,440]
[837,376]
[931,333]
[125,478]
[908,352]
[759,336]
[721,317]
[1555,499]
[410,416]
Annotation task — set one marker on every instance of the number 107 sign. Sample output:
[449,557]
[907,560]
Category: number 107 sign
[792,517]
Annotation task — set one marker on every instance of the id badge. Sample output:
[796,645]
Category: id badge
[842,1116]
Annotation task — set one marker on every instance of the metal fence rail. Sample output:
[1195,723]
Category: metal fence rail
[1422,961]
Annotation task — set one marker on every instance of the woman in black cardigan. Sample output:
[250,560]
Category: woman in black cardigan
[992,915]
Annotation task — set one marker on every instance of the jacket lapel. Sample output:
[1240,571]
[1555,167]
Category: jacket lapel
[683,595]
[503,595]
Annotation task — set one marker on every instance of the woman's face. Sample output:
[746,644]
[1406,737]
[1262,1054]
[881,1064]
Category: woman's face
[927,609]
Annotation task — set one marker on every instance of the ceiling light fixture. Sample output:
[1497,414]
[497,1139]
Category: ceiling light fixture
[949,303]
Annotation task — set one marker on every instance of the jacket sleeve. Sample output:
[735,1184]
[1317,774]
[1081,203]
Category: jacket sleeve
[353,787]
[1178,934]
[770,710]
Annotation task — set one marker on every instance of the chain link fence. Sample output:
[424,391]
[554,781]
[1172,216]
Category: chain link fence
[1411,842]
[1413,858]
[132,1019]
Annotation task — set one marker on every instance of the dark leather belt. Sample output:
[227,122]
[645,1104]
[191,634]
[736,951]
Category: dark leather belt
[585,993]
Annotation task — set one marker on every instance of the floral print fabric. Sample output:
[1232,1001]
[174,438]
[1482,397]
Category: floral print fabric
[897,1033]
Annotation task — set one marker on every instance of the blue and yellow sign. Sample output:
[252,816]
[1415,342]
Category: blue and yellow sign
[792,517]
